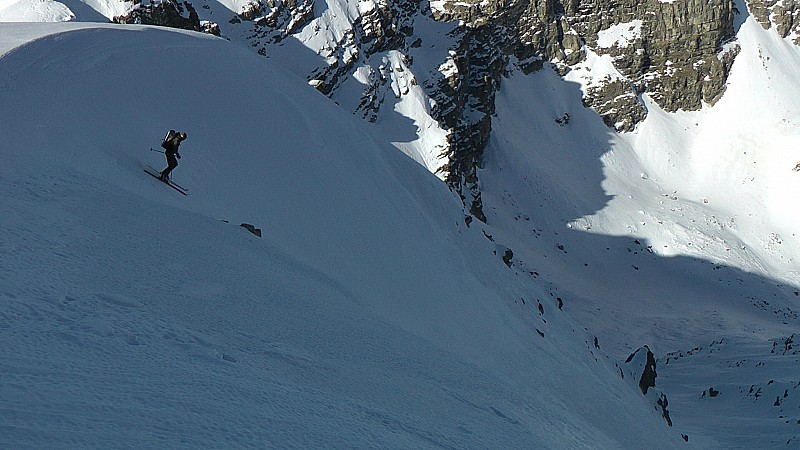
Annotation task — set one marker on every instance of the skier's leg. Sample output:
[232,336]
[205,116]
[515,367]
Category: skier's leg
[172,163]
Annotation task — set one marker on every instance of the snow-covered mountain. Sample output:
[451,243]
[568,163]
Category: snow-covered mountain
[662,216]
[368,314]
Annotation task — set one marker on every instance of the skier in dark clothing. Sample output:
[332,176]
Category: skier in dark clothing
[171,144]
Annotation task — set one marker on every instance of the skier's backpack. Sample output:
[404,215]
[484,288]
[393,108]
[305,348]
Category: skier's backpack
[166,144]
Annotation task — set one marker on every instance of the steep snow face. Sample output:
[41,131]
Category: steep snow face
[367,315]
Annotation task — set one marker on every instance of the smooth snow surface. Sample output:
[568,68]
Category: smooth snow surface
[34,11]
[368,315]
[63,11]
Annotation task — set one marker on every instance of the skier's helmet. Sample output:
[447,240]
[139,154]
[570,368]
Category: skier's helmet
[183,135]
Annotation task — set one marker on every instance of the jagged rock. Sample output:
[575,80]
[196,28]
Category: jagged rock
[784,15]
[619,103]
[641,364]
[169,13]
[391,76]
[674,52]
[251,10]
[662,403]
[251,228]
[648,378]
[710,392]
[209,27]
[508,255]
[676,55]
[760,10]
[282,19]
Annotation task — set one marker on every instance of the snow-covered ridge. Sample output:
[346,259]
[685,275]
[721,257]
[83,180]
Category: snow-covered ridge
[62,11]
[34,11]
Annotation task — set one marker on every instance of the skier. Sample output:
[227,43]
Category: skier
[171,143]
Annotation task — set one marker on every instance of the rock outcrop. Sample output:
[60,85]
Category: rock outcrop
[783,15]
[170,13]
[641,366]
[674,51]
[273,20]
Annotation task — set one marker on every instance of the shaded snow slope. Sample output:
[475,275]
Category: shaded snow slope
[678,235]
[736,393]
[367,315]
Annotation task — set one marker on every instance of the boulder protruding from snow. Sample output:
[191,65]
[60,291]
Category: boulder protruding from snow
[641,365]
[251,228]
[170,13]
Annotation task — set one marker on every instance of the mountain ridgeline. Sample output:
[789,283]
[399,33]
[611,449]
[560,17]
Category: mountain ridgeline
[680,53]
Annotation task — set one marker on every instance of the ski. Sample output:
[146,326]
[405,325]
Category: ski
[178,186]
[157,175]
[153,170]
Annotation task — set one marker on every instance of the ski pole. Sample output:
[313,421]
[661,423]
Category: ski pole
[157,151]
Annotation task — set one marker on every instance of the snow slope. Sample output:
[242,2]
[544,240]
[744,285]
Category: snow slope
[368,314]
[677,236]
[703,194]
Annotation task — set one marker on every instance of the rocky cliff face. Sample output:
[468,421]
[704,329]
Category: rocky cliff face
[171,13]
[674,51]
[783,15]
